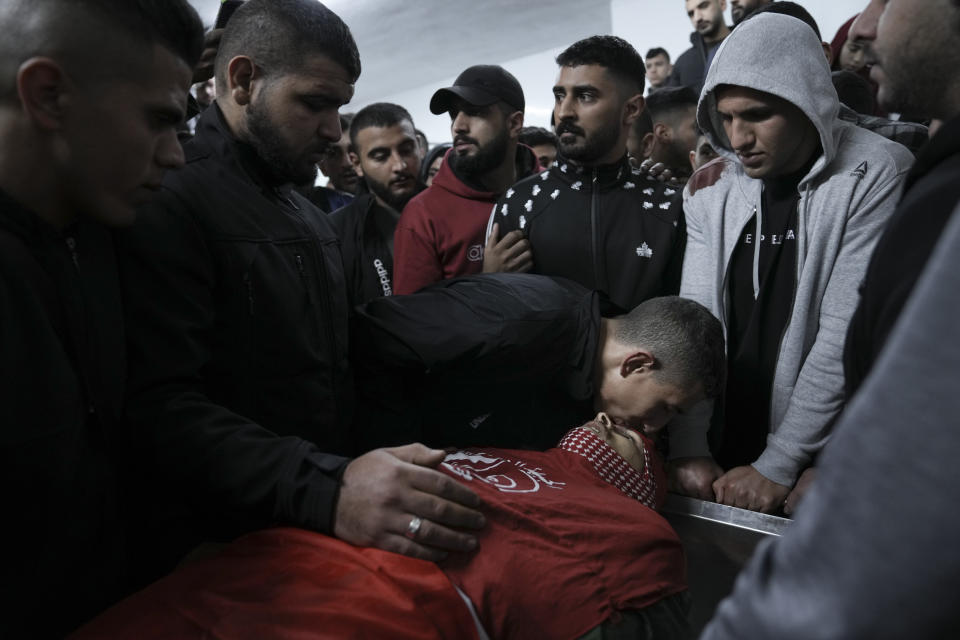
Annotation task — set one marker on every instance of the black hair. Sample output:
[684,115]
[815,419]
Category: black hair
[615,54]
[657,51]
[279,34]
[643,124]
[854,91]
[787,8]
[439,150]
[92,35]
[533,136]
[684,337]
[378,114]
[668,101]
[173,24]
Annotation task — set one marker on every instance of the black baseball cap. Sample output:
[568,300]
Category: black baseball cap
[480,85]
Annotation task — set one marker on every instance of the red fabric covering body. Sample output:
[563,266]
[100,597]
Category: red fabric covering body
[291,584]
[563,551]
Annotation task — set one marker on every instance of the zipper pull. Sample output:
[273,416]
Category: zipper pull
[72,246]
[249,286]
[303,278]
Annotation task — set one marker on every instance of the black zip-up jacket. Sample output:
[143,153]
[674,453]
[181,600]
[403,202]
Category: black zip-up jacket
[930,194]
[237,316]
[609,228]
[501,359]
[690,67]
[61,389]
[367,253]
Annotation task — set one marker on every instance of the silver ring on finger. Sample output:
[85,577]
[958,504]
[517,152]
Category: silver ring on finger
[413,527]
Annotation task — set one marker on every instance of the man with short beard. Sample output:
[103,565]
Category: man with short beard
[387,157]
[240,390]
[915,62]
[673,111]
[740,9]
[592,217]
[441,232]
[706,16]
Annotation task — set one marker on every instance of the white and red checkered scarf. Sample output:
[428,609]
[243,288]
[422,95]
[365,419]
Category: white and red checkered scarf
[611,466]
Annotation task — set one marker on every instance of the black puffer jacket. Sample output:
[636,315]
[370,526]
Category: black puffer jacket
[690,68]
[237,316]
[502,359]
[608,228]
[61,388]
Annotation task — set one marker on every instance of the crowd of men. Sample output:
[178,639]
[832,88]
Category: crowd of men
[740,270]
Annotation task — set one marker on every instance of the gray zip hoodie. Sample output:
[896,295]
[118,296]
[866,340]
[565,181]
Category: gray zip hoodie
[845,201]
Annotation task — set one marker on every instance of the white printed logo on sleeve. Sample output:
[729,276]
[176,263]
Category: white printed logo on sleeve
[504,474]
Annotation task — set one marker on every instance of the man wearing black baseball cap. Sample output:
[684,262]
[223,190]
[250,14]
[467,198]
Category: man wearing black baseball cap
[441,232]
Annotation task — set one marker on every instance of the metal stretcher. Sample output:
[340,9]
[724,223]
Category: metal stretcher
[719,541]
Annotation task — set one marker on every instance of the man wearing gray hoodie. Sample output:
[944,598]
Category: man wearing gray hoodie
[780,229]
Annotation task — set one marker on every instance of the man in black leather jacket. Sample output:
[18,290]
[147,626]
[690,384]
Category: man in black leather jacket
[82,142]
[240,386]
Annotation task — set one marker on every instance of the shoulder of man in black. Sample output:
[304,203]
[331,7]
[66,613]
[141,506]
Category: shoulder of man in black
[237,313]
[61,385]
[485,347]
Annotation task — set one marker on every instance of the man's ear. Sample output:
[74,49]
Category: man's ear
[633,108]
[515,123]
[662,132]
[43,91]
[827,51]
[693,160]
[241,74]
[637,362]
[355,161]
[647,144]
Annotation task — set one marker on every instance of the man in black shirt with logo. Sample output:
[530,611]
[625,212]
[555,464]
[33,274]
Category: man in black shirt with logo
[385,152]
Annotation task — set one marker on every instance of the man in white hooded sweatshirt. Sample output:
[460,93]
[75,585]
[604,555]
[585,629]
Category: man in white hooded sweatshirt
[780,229]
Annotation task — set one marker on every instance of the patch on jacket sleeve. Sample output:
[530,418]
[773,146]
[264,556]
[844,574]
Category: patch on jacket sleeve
[707,176]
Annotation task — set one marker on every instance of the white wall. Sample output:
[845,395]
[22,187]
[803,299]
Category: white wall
[644,23]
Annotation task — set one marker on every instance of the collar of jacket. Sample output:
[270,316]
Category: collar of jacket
[609,176]
[213,137]
[941,146]
[21,221]
[448,179]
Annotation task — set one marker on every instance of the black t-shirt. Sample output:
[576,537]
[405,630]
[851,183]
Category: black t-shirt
[762,277]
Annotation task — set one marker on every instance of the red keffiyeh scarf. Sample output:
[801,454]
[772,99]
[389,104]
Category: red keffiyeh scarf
[611,466]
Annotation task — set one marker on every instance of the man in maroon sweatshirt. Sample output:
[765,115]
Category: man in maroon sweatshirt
[441,232]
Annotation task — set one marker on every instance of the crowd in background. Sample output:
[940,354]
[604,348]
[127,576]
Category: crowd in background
[736,270]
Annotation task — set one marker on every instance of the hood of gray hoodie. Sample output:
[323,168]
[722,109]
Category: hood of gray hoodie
[780,55]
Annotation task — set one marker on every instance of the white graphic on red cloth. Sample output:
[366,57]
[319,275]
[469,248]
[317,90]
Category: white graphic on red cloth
[506,475]
[611,466]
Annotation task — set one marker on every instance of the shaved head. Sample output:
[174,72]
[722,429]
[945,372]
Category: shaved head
[93,39]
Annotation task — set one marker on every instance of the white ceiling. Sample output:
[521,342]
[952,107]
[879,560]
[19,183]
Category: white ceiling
[409,44]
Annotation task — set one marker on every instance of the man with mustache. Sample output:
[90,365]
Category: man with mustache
[386,154]
[441,232]
[778,236]
[240,388]
[591,217]
[706,16]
